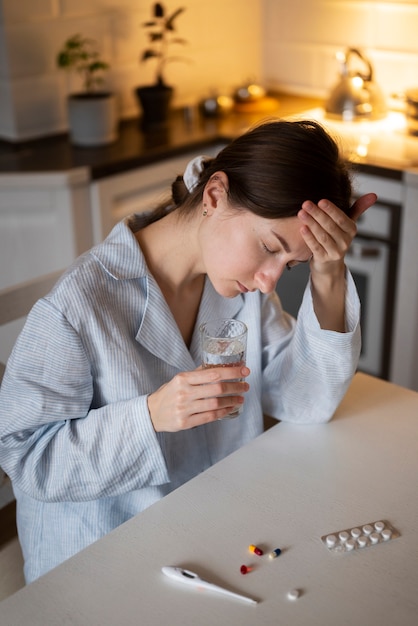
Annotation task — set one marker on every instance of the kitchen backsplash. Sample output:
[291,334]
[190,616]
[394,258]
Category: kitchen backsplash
[284,45]
[223,50]
[301,37]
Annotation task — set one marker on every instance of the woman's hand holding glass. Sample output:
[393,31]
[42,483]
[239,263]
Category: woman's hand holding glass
[197,397]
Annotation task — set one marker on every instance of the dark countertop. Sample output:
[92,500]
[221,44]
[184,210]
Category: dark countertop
[135,148]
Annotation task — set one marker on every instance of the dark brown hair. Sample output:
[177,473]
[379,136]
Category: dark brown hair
[272,169]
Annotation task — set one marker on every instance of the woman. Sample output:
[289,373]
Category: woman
[104,408]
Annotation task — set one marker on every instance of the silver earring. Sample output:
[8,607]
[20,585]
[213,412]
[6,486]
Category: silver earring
[205,212]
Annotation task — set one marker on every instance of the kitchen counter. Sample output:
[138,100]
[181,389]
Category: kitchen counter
[187,131]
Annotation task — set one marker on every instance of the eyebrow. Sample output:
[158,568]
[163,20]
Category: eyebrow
[282,241]
[287,248]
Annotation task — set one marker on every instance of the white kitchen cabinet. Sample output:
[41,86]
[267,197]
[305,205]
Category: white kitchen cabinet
[141,189]
[403,368]
[45,223]
[404,364]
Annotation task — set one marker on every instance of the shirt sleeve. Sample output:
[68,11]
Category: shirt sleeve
[307,370]
[53,445]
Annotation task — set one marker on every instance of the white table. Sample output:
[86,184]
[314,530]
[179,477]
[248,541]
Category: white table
[286,489]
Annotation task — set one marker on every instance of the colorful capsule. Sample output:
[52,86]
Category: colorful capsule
[277,552]
[256,550]
[245,569]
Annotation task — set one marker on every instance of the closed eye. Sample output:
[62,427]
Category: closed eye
[267,249]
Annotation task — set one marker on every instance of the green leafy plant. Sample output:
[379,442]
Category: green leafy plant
[81,55]
[161,35]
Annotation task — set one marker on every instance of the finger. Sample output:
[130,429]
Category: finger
[203,376]
[198,399]
[361,205]
[214,409]
[326,229]
[329,217]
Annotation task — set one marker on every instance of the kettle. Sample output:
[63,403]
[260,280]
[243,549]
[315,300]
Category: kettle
[356,96]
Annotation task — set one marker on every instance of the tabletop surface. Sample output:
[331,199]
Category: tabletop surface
[286,489]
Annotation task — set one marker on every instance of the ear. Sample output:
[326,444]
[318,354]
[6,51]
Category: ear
[216,190]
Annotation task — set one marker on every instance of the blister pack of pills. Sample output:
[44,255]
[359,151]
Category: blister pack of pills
[358,537]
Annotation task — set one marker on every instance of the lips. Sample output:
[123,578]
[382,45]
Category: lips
[242,288]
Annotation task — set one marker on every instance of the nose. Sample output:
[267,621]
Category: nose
[266,280]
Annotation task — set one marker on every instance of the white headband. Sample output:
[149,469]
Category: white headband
[193,171]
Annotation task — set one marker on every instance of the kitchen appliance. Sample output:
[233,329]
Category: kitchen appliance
[356,96]
[372,261]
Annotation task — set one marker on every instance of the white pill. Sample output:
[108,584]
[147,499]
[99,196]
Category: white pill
[379,526]
[362,541]
[350,544]
[374,538]
[293,594]
[355,532]
[367,529]
[331,541]
[386,534]
[343,535]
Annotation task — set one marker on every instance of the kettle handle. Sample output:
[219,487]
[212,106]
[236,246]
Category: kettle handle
[360,55]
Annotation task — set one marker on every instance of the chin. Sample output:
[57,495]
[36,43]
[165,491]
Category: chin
[227,293]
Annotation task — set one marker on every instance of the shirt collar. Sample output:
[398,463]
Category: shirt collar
[119,253]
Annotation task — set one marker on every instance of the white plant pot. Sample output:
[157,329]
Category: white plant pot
[92,118]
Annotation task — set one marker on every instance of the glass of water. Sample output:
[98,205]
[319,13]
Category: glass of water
[224,343]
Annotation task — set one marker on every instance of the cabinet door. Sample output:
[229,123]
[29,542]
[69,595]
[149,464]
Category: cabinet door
[136,191]
[44,226]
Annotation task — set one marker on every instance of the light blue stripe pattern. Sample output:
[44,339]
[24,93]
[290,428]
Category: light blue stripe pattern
[75,434]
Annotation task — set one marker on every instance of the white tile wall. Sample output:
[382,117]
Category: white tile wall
[301,38]
[286,45]
[223,50]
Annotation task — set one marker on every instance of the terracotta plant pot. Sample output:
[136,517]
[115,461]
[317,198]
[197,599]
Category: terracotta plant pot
[155,102]
[92,118]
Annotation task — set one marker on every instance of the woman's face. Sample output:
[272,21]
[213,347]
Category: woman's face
[243,252]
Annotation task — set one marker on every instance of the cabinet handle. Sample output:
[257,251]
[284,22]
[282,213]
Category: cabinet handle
[364,252]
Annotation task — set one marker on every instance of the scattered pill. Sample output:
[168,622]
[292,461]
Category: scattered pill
[245,569]
[293,594]
[379,526]
[256,550]
[275,553]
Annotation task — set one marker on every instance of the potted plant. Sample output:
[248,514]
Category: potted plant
[92,113]
[155,99]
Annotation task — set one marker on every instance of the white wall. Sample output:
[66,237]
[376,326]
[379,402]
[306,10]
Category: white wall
[301,38]
[288,45]
[224,49]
